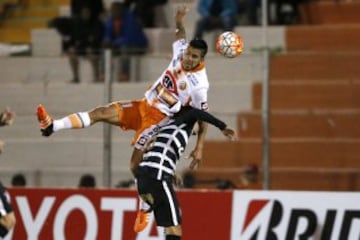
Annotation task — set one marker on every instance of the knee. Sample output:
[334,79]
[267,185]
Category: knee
[174,230]
[101,113]
[135,160]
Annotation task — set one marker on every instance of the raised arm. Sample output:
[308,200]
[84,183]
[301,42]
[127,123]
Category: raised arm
[203,116]
[194,115]
[179,23]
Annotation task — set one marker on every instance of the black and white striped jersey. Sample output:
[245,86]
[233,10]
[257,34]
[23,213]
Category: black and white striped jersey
[5,206]
[171,140]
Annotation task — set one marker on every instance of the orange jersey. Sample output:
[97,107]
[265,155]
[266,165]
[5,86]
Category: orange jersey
[137,115]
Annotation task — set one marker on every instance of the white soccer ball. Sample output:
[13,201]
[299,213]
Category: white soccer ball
[229,44]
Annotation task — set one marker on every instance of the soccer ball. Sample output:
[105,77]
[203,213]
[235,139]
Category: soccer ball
[229,44]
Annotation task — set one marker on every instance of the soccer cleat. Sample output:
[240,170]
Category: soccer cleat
[142,220]
[45,121]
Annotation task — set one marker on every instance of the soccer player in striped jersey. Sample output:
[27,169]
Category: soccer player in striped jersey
[156,172]
[7,216]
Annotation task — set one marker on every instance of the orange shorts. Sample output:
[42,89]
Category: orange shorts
[137,115]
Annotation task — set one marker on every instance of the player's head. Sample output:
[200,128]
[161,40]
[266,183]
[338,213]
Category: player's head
[194,54]
[199,44]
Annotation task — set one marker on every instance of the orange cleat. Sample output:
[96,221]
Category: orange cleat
[45,121]
[142,220]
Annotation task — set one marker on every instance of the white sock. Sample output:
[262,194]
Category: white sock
[76,120]
[143,205]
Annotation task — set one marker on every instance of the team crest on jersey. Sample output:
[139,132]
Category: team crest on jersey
[169,82]
[182,86]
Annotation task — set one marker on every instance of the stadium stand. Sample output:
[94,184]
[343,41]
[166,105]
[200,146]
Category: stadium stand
[314,101]
[26,15]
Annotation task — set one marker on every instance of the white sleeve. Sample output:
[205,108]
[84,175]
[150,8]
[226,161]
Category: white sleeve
[199,99]
[178,47]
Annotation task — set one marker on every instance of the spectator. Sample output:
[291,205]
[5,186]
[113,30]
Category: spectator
[144,10]
[18,180]
[96,8]
[84,40]
[289,16]
[251,9]
[124,34]
[87,181]
[63,26]
[250,177]
[125,183]
[216,14]
[224,184]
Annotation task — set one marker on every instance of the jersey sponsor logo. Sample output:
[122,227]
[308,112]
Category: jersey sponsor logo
[143,140]
[204,106]
[182,86]
[193,79]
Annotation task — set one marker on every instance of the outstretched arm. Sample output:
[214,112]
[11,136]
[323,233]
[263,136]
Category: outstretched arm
[197,153]
[204,118]
[179,22]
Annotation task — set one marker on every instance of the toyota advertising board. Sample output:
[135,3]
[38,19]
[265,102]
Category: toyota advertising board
[100,214]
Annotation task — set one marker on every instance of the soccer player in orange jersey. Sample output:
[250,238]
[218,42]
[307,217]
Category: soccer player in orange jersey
[183,82]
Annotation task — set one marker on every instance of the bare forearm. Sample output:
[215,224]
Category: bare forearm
[180,30]
[203,126]
[179,23]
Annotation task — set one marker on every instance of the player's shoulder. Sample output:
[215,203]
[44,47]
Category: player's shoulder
[199,79]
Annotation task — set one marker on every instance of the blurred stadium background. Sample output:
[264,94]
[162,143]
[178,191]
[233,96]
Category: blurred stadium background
[314,100]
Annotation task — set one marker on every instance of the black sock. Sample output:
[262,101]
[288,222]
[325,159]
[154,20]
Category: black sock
[173,237]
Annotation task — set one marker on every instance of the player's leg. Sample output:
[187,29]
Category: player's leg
[168,214]
[173,232]
[151,118]
[147,193]
[109,113]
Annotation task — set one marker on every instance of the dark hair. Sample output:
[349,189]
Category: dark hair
[18,180]
[251,172]
[87,181]
[199,44]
